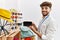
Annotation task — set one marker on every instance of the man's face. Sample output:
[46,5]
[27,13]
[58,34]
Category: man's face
[45,10]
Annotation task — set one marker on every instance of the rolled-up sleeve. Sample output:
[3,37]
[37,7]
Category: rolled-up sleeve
[50,31]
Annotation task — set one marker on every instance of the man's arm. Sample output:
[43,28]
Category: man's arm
[35,31]
[34,26]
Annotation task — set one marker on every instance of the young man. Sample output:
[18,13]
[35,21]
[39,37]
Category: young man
[46,27]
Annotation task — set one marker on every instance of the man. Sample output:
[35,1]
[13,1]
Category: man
[46,28]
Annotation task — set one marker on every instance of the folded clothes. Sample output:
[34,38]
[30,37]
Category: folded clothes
[26,32]
[15,38]
[28,38]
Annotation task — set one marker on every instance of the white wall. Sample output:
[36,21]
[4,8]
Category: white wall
[2,3]
[11,4]
[8,4]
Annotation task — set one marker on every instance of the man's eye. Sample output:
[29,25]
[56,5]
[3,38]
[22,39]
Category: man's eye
[42,8]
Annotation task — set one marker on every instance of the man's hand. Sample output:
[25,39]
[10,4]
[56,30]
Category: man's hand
[35,31]
[32,28]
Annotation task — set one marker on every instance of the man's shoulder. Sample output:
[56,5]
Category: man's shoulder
[50,20]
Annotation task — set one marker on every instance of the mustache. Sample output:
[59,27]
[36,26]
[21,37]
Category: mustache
[44,11]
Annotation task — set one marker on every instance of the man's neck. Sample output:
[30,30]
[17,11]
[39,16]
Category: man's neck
[44,16]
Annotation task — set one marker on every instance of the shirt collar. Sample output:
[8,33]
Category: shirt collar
[46,16]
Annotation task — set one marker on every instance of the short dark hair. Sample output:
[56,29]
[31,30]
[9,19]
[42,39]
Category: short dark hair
[46,4]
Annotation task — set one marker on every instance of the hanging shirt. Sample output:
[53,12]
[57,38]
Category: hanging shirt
[47,28]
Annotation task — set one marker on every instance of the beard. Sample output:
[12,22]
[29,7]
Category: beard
[45,13]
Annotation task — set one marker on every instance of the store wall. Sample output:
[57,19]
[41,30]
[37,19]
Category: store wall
[2,3]
[8,4]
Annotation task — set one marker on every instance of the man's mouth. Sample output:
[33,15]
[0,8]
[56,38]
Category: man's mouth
[44,11]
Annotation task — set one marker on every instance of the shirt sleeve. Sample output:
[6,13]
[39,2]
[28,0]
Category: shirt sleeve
[50,31]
